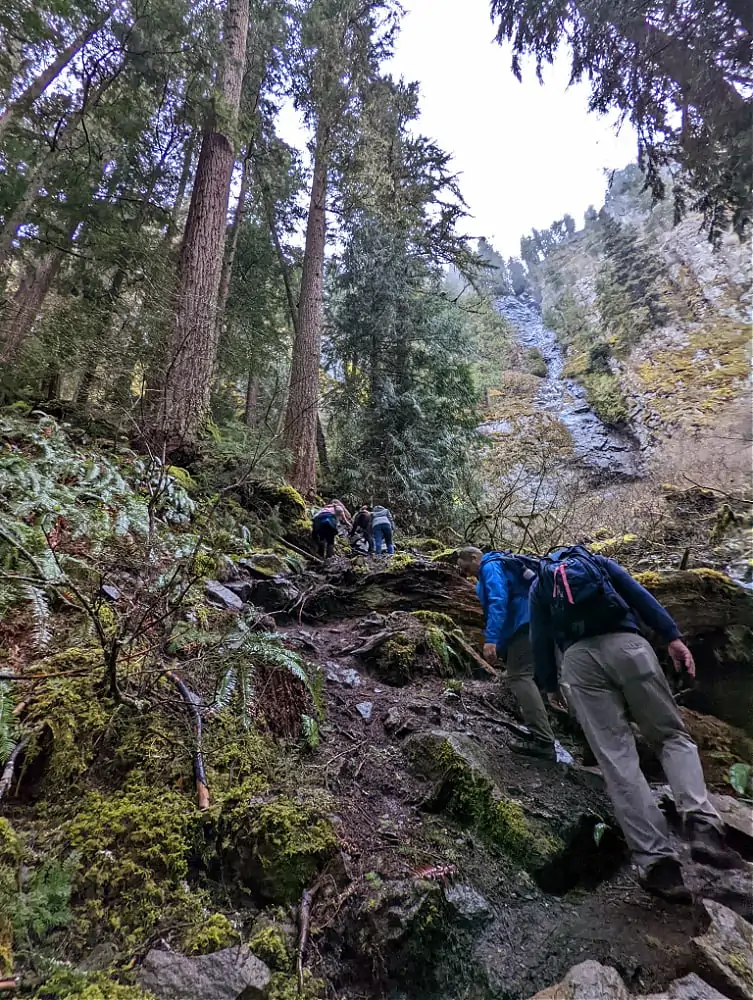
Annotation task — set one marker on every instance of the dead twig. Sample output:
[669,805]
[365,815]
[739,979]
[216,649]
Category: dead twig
[303,935]
[193,705]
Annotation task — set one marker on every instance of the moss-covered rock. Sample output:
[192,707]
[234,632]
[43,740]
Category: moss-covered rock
[274,845]
[214,933]
[467,792]
[618,546]
[133,847]
[270,943]
[424,546]
[418,643]
[719,744]
[67,984]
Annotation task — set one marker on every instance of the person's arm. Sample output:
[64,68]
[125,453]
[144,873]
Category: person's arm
[542,642]
[495,587]
[640,600]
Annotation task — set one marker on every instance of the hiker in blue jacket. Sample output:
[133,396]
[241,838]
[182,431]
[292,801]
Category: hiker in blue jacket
[502,589]
[592,608]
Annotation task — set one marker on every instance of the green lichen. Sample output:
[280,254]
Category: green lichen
[740,966]
[278,845]
[67,984]
[285,987]
[211,934]
[471,799]
[269,944]
[612,546]
[74,712]
[399,562]
[435,639]
[133,847]
[426,546]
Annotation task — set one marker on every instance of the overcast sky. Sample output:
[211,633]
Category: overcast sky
[526,153]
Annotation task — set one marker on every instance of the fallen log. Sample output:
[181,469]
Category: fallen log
[192,703]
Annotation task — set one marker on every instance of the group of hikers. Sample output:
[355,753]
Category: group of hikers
[569,625]
[373,527]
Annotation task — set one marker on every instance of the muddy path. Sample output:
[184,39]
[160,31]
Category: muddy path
[527,925]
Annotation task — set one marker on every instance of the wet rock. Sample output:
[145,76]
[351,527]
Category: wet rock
[738,816]
[350,678]
[276,594]
[244,589]
[467,905]
[725,951]
[592,981]
[587,981]
[364,709]
[265,564]
[690,987]
[221,596]
[224,975]
[110,592]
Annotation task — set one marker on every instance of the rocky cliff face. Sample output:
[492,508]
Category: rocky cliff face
[685,366]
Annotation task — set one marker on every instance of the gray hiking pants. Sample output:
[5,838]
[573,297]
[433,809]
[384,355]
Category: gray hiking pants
[519,661]
[603,677]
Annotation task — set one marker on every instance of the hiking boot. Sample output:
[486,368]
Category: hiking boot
[707,846]
[664,879]
[535,748]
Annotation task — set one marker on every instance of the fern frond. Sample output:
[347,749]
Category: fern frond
[7,722]
[224,691]
[310,729]
[40,612]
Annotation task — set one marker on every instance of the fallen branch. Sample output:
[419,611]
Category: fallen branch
[303,934]
[42,677]
[10,766]
[301,552]
[200,774]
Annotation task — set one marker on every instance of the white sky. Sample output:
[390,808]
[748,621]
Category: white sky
[526,153]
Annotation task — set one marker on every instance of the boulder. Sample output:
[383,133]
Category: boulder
[737,816]
[725,951]
[364,709]
[265,564]
[592,981]
[542,821]
[467,905]
[221,596]
[588,981]
[244,589]
[224,975]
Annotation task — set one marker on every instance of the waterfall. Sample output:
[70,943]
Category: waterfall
[596,445]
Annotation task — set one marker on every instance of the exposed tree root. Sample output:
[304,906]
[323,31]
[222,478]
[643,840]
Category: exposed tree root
[10,766]
[192,703]
[303,934]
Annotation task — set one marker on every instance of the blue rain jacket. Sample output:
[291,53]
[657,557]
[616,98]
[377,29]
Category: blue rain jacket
[503,594]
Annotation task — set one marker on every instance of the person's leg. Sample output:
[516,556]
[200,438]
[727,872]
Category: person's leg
[520,677]
[653,708]
[387,532]
[650,700]
[316,535]
[376,533]
[600,708]
[330,533]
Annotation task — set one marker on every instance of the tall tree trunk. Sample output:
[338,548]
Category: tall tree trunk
[252,400]
[38,86]
[299,436]
[182,398]
[22,309]
[232,246]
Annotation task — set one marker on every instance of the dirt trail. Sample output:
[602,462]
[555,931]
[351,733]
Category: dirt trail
[393,830]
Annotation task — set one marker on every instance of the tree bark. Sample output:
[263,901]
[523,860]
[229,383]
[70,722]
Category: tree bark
[252,400]
[22,310]
[321,446]
[232,246]
[38,86]
[299,436]
[183,386]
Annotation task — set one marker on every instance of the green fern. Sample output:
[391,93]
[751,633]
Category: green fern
[40,613]
[310,729]
[44,904]
[7,723]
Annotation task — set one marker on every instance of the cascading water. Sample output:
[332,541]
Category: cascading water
[596,445]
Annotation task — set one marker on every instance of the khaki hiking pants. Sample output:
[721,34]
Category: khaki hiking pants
[519,661]
[603,677]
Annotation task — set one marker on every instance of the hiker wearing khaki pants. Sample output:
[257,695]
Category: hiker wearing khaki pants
[519,663]
[612,672]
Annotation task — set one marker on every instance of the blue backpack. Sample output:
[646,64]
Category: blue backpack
[581,596]
[519,568]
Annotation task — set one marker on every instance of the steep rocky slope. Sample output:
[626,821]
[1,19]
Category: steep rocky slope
[669,313]
[231,772]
